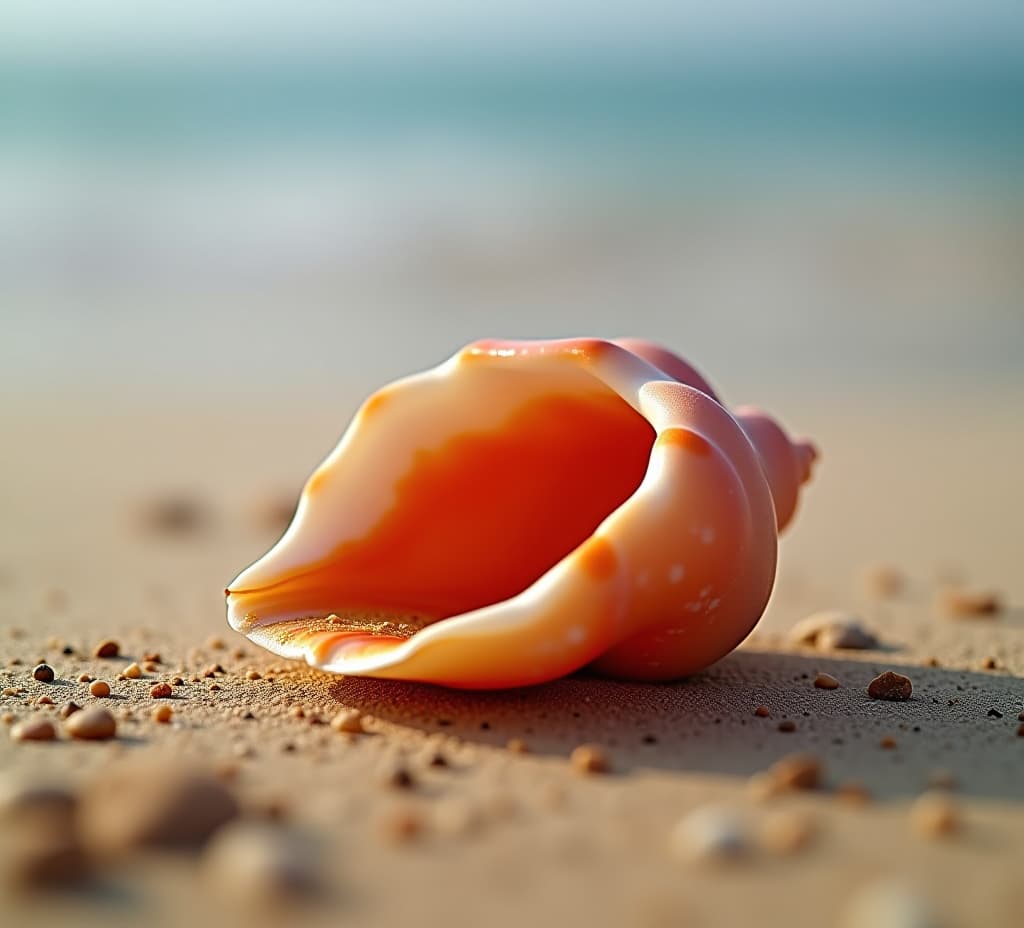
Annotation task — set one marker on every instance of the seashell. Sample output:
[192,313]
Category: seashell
[526,509]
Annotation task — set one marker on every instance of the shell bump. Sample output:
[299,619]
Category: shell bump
[528,508]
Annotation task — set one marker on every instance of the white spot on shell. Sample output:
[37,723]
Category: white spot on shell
[707,535]
[704,591]
[576,634]
[676,573]
[714,604]
[643,578]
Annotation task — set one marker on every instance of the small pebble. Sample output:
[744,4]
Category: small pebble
[965,604]
[215,687]
[934,815]
[348,720]
[797,772]
[162,714]
[708,834]
[890,686]
[989,663]
[152,657]
[44,701]
[107,648]
[92,724]
[825,681]
[85,678]
[150,667]
[161,691]
[13,691]
[253,675]
[177,681]
[34,728]
[1020,716]
[785,832]
[216,644]
[888,743]
[133,671]
[43,673]
[762,712]
[589,758]
[787,725]
[174,515]
[99,689]
[517,746]
[833,629]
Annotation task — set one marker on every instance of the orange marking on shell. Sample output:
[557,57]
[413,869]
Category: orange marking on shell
[375,403]
[685,438]
[598,558]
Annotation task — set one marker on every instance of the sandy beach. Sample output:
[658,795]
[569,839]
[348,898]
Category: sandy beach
[458,808]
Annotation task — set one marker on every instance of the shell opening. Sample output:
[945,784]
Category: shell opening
[476,517]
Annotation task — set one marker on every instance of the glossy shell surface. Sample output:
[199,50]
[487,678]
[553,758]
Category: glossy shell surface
[526,509]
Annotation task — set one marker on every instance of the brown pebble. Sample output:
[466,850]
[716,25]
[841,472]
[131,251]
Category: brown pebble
[216,644]
[161,691]
[133,671]
[173,515]
[44,701]
[934,815]
[1020,731]
[297,712]
[43,673]
[787,725]
[152,657]
[162,714]
[92,724]
[590,758]
[107,648]
[8,718]
[965,604]
[517,746]
[99,688]
[890,686]
[932,662]
[989,663]
[253,675]
[34,728]
[888,743]
[13,691]
[177,681]
[215,687]
[762,712]
[797,772]
[68,709]
[825,681]
[85,678]
[833,629]
[150,667]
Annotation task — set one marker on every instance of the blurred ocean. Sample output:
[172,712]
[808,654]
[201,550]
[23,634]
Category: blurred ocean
[311,222]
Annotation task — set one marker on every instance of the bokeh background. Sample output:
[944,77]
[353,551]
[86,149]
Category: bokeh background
[229,208]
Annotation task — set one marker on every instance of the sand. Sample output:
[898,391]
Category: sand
[496,836]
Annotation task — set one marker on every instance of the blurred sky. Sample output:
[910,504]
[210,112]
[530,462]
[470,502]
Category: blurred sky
[323,195]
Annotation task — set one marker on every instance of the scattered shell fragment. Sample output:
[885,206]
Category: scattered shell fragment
[590,758]
[708,834]
[99,688]
[890,686]
[935,815]
[133,671]
[43,673]
[34,728]
[161,691]
[92,724]
[967,604]
[151,803]
[107,648]
[825,681]
[833,629]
